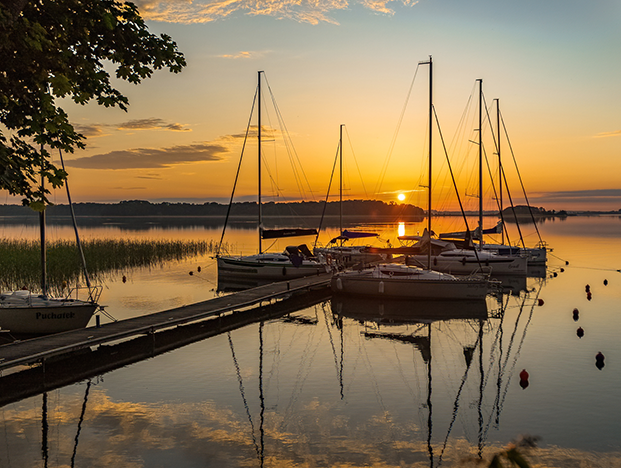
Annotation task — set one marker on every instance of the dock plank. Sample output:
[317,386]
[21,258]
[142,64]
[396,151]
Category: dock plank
[37,349]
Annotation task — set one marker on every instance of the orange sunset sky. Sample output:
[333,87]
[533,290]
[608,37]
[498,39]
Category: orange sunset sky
[553,64]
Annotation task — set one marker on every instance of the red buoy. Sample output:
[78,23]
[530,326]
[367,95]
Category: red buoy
[539,302]
[524,375]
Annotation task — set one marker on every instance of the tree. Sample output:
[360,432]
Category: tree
[52,49]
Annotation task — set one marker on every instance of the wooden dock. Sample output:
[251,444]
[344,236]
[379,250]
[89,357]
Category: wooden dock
[38,349]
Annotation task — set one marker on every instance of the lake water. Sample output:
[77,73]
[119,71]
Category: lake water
[330,384]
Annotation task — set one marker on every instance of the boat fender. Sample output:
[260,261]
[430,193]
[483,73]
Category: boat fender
[284,271]
[463,261]
[339,284]
[435,261]
[381,287]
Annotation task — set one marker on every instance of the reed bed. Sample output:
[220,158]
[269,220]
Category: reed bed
[20,260]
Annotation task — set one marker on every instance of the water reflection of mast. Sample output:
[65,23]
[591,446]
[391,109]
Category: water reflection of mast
[77,435]
[429,403]
[44,430]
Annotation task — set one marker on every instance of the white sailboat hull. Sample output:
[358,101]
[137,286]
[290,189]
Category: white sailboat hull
[256,269]
[408,283]
[466,262]
[535,255]
[34,315]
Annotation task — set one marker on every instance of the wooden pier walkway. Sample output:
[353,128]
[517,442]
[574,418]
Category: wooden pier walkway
[38,349]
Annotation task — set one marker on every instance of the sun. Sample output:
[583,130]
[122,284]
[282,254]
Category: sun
[401,196]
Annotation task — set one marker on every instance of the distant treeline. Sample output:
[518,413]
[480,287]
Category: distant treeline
[140,208]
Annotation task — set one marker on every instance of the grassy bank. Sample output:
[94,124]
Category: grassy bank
[20,260]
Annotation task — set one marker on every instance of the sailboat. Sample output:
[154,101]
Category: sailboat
[23,312]
[449,258]
[536,255]
[337,252]
[411,282]
[294,262]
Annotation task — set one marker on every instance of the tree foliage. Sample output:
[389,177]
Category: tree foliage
[52,49]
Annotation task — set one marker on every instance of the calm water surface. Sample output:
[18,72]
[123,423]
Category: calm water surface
[351,383]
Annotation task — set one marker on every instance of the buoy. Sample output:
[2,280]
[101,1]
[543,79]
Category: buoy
[555,274]
[576,315]
[540,302]
[191,273]
[562,270]
[587,288]
[124,279]
[589,296]
[599,361]
[523,379]
[605,282]
[580,332]
[566,262]
[198,269]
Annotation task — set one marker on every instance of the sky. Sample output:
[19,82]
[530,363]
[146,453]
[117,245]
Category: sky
[554,66]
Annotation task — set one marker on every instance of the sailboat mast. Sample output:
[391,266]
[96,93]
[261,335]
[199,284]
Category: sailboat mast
[480,163]
[341,182]
[500,171]
[430,63]
[42,238]
[259,159]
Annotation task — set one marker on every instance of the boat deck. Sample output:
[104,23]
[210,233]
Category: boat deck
[37,349]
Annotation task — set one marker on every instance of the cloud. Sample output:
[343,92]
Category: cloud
[152,158]
[153,123]
[582,194]
[608,134]
[242,55]
[302,11]
[150,124]
[90,131]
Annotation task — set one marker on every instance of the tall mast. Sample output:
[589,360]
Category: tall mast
[480,163]
[341,182]
[42,238]
[500,172]
[259,159]
[430,63]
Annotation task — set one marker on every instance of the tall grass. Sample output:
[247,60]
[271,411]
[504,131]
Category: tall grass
[20,260]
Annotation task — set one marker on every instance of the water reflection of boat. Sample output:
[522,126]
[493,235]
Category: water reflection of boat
[398,312]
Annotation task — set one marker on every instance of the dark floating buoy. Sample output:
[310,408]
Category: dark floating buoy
[589,296]
[191,273]
[523,379]
[576,315]
[599,360]
[587,288]
[562,270]
[555,274]
[566,262]
[124,279]
[540,302]
[580,332]
[605,282]
[198,269]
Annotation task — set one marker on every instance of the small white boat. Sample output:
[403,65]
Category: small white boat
[408,282]
[270,266]
[22,312]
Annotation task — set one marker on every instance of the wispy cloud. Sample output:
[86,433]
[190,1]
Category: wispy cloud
[302,11]
[153,123]
[581,194]
[152,158]
[150,124]
[609,134]
[242,55]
